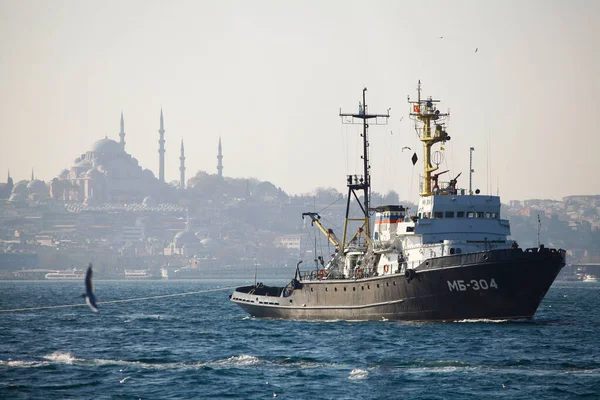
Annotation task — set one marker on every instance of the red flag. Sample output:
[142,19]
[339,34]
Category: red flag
[416,108]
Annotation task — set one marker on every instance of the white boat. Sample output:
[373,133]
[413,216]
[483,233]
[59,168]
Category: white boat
[66,275]
[138,274]
[590,278]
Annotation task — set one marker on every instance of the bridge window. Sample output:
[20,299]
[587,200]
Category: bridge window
[438,214]
[470,214]
[451,250]
[376,235]
[480,214]
[449,214]
[460,214]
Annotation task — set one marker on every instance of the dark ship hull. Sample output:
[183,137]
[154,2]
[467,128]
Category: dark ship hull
[496,284]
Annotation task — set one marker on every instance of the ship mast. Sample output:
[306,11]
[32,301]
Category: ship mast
[425,111]
[355,182]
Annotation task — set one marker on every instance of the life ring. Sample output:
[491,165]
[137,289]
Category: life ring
[386,268]
[321,273]
[359,273]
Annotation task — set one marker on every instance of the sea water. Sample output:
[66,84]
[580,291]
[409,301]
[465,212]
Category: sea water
[203,346]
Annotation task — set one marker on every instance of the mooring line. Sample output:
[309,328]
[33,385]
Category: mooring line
[119,301]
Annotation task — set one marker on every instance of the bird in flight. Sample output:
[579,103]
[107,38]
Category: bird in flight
[90,297]
[477,48]
[406,147]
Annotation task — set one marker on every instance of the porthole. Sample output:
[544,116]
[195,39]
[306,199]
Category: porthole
[394,283]
[344,288]
[362,288]
[326,289]
[378,286]
[335,289]
[368,286]
[311,289]
[387,284]
[353,289]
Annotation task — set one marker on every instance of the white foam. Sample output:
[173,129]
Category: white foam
[431,370]
[61,357]
[358,373]
[241,360]
[23,364]
[487,321]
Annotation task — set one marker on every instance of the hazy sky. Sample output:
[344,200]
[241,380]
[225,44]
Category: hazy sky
[269,77]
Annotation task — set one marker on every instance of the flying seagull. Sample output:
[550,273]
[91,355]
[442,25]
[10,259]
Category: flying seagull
[476,49]
[89,296]
[406,147]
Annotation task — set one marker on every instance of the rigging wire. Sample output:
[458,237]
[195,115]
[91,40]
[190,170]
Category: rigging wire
[119,301]
[329,205]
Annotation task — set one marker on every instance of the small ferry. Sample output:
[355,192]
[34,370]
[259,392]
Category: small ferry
[66,275]
[138,274]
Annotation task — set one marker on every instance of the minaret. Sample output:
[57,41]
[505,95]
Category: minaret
[122,132]
[32,177]
[220,158]
[9,182]
[182,168]
[161,149]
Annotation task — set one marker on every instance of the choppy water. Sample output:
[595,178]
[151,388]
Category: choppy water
[203,346]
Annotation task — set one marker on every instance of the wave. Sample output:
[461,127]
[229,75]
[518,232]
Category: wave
[241,360]
[357,374]
[23,364]
[238,361]
[483,320]
[61,357]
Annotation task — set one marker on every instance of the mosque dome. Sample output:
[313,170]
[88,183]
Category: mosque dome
[64,173]
[83,164]
[36,186]
[93,174]
[20,188]
[107,147]
[185,238]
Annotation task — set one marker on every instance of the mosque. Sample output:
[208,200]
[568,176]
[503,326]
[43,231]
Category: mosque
[107,173]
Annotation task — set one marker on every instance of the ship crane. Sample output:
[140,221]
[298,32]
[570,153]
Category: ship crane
[315,217]
[435,177]
[452,185]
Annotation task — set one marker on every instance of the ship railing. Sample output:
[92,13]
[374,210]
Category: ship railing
[313,274]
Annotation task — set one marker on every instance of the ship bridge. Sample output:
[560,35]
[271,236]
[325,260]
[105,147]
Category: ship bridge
[461,217]
[386,222]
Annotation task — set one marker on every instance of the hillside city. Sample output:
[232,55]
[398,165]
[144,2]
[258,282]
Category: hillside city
[224,226]
[109,211]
